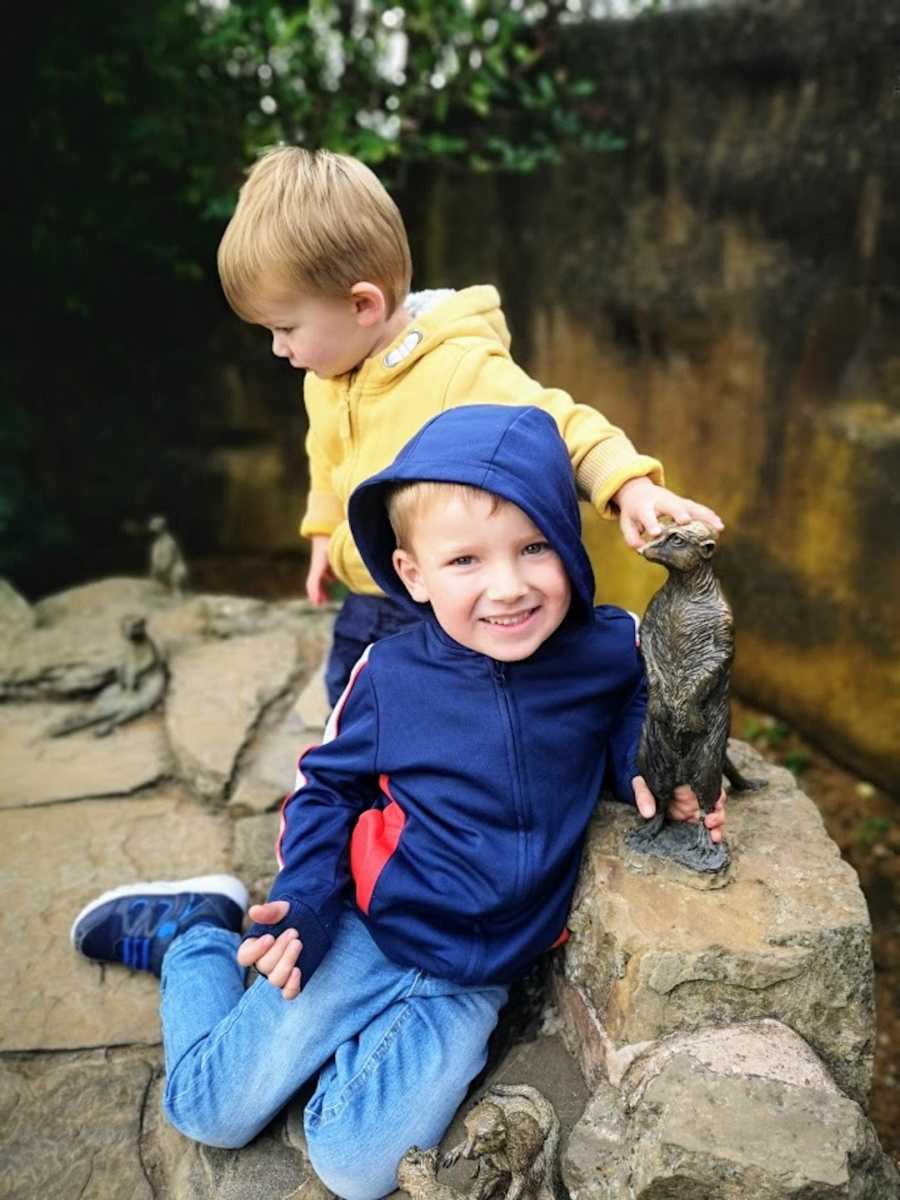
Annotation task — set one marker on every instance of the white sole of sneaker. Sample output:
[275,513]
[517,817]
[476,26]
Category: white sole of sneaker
[221,885]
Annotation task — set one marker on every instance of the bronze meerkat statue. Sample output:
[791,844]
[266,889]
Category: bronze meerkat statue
[512,1135]
[687,643]
[167,564]
[417,1176]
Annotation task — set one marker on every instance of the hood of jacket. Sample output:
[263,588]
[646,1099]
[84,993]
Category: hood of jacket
[515,452]
[437,316]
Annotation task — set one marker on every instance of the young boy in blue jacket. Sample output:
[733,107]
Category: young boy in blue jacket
[430,850]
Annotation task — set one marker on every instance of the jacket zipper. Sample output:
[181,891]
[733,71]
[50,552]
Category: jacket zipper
[523,873]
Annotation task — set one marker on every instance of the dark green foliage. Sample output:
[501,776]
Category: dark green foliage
[479,83]
[138,123]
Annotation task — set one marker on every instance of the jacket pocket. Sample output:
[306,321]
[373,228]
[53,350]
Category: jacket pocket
[372,844]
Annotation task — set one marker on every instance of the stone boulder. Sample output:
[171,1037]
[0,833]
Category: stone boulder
[75,642]
[785,934]
[60,856]
[38,769]
[72,1125]
[727,1113]
[218,693]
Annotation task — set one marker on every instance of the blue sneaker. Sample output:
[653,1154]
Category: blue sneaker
[135,924]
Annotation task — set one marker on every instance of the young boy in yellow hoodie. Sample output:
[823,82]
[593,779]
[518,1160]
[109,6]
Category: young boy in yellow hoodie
[317,253]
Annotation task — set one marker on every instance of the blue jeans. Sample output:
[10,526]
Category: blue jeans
[361,621]
[395,1050]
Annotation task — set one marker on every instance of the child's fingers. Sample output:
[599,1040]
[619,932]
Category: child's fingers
[632,532]
[647,516]
[676,508]
[272,957]
[291,989]
[281,972]
[643,797]
[248,952]
[699,512]
[715,820]
[269,913]
[684,807]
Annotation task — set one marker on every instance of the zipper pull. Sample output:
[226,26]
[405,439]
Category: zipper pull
[499,671]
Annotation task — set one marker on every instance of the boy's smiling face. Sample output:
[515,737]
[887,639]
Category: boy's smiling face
[493,581]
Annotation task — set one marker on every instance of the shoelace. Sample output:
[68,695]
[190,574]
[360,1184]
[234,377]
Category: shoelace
[136,952]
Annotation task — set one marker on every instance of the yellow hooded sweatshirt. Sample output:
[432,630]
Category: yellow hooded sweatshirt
[455,353]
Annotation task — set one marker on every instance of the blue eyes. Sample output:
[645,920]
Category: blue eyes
[533,548]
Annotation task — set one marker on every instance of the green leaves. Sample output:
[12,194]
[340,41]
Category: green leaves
[475,81]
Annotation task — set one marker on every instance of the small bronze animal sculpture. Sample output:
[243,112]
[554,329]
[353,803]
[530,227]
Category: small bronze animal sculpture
[139,685]
[687,642]
[513,1135]
[167,563]
[417,1175]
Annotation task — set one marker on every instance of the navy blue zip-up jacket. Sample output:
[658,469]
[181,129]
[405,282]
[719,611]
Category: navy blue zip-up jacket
[452,792]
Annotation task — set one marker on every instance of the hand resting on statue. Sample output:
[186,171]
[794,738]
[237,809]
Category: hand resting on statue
[683,807]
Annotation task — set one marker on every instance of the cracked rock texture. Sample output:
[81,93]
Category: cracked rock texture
[726,1113]
[194,786]
[785,936]
[217,694]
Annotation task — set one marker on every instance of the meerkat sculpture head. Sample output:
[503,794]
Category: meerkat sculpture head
[416,1168]
[682,547]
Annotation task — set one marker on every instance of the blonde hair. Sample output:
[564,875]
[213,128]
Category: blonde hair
[312,221]
[407,501]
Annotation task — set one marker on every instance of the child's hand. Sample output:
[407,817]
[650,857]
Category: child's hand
[684,807]
[641,503]
[274,958]
[320,572]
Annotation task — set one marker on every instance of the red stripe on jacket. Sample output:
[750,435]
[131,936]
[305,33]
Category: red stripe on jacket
[372,844]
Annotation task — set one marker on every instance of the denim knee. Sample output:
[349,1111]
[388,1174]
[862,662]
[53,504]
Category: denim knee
[208,1128]
[369,1180]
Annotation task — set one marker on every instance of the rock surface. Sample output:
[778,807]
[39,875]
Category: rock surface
[787,936]
[42,770]
[218,694]
[72,1125]
[60,857]
[726,1113]
[75,643]
[81,1070]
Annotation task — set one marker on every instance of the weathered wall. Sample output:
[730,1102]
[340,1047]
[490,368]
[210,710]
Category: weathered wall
[728,290]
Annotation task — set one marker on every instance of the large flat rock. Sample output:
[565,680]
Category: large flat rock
[76,641]
[787,936]
[218,693]
[58,858]
[274,1166]
[42,770]
[269,769]
[725,1113]
[72,1124]
[254,852]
